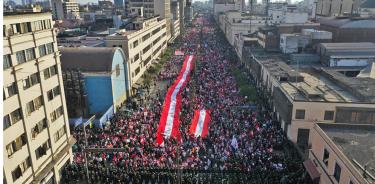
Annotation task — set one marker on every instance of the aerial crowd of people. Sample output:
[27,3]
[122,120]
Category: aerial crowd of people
[241,140]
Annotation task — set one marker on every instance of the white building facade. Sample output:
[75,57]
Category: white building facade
[37,140]
[141,47]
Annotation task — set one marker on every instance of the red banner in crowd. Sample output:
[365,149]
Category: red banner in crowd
[200,122]
[169,121]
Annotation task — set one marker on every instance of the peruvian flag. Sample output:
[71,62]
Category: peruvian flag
[200,122]
[169,121]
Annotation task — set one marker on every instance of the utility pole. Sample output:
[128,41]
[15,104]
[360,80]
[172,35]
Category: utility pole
[85,146]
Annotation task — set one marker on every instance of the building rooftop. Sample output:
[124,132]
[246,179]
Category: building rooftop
[357,142]
[349,46]
[316,88]
[347,22]
[24,13]
[361,87]
[359,49]
[328,85]
[282,71]
[88,59]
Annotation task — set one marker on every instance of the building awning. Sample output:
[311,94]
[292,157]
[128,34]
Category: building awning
[311,169]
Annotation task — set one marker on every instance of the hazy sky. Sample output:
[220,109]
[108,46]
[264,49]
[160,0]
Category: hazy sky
[96,1]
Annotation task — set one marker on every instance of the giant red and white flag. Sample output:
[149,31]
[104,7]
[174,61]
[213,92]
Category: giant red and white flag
[199,124]
[169,121]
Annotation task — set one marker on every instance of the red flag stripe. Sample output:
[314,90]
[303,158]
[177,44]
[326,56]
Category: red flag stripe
[169,120]
[200,123]
[206,124]
[194,122]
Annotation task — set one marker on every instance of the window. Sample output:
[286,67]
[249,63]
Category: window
[135,43]
[146,48]
[42,150]
[325,157]
[56,91]
[60,133]
[145,37]
[34,78]
[42,50]
[11,89]
[328,115]
[31,81]
[49,72]
[117,70]
[38,102]
[46,73]
[16,145]
[53,70]
[39,127]
[354,116]
[7,63]
[51,94]
[300,114]
[56,113]
[30,107]
[59,111]
[30,54]
[49,47]
[136,57]
[20,55]
[337,172]
[34,105]
[6,122]
[47,24]
[137,71]
[16,115]
[37,25]
[16,173]
[25,164]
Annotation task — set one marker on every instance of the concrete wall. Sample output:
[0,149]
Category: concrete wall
[288,43]
[350,61]
[321,141]
[120,84]
[314,112]
[99,93]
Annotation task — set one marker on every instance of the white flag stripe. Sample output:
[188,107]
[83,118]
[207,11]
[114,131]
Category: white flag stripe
[172,105]
[199,128]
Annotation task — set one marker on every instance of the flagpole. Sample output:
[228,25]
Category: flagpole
[86,145]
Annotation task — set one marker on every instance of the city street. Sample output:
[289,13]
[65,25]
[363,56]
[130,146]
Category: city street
[240,142]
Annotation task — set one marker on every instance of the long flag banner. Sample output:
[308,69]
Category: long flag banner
[169,121]
[200,122]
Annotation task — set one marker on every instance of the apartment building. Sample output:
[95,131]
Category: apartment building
[302,96]
[153,8]
[37,140]
[141,45]
[65,9]
[342,153]
[175,19]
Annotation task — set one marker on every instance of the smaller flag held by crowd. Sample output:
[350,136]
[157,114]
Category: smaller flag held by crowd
[200,122]
[178,53]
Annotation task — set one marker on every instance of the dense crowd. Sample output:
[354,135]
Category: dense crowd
[242,140]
